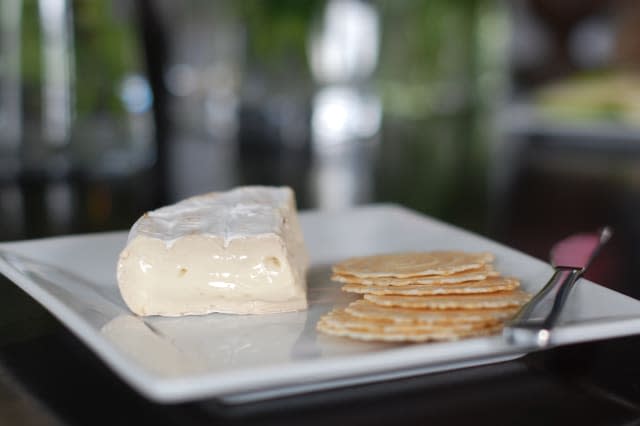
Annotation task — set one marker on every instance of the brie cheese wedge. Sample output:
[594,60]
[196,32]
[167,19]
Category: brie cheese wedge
[240,252]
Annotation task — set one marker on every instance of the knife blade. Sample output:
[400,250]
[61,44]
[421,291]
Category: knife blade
[570,258]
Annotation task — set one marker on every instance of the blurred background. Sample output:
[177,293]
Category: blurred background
[518,120]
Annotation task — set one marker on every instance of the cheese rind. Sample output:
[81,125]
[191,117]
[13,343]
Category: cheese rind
[239,252]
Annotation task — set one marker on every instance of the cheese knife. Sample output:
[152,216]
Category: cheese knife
[532,326]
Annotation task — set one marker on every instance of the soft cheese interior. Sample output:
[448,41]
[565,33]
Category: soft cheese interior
[239,252]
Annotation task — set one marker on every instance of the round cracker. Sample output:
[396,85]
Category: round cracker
[371,311]
[453,301]
[482,273]
[343,318]
[419,337]
[338,323]
[490,285]
[412,264]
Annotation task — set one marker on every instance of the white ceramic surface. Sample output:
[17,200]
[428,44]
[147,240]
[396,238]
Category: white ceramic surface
[244,358]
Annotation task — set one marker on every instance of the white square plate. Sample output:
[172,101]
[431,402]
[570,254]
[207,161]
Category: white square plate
[244,358]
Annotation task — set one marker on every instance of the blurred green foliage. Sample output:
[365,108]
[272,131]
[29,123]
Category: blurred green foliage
[438,77]
[31,54]
[106,51]
[278,29]
[426,54]
[437,73]
[104,48]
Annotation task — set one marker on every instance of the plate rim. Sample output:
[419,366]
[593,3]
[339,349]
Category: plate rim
[187,388]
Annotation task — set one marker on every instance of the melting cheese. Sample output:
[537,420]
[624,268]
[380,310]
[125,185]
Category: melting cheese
[239,252]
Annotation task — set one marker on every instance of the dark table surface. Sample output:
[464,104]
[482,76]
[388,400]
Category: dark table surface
[50,377]
[47,376]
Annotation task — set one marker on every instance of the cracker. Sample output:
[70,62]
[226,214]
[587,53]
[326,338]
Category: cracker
[453,301]
[371,311]
[412,264]
[343,318]
[339,323]
[416,337]
[482,273]
[490,285]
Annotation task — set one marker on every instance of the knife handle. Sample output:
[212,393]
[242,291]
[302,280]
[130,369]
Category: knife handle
[532,325]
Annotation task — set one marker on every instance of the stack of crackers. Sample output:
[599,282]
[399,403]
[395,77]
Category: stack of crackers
[425,296]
